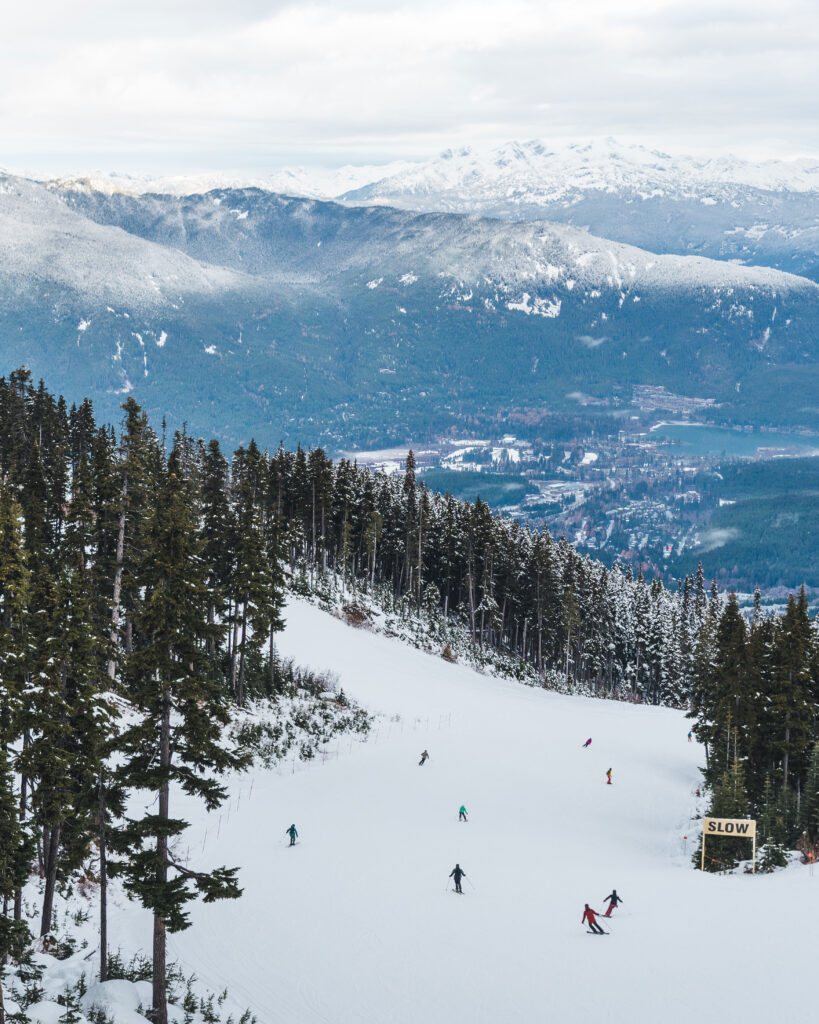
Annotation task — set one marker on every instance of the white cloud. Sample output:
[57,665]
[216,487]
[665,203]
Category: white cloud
[161,85]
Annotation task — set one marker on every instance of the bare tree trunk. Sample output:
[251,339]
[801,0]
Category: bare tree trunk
[787,748]
[160,993]
[103,888]
[212,640]
[313,556]
[471,602]
[233,655]
[50,879]
[18,893]
[112,662]
[420,539]
[240,687]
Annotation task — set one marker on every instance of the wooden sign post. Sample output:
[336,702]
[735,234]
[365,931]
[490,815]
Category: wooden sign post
[725,828]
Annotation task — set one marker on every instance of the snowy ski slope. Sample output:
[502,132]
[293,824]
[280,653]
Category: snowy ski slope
[354,924]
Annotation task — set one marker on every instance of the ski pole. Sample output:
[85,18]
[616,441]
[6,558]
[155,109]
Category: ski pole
[470,881]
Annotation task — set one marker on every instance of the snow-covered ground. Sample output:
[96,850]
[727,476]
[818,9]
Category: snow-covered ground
[355,923]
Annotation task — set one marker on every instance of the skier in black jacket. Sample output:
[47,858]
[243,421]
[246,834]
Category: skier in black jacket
[457,873]
[613,901]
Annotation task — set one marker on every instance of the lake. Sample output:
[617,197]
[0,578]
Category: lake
[705,440]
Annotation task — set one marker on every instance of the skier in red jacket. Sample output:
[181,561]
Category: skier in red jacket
[590,916]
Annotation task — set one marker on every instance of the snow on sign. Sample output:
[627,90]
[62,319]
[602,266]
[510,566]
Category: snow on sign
[735,828]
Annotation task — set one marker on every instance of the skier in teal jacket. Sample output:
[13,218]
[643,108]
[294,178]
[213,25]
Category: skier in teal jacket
[292,833]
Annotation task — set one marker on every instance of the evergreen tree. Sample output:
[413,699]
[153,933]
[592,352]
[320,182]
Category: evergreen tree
[218,532]
[14,653]
[771,829]
[182,712]
[810,799]
[254,580]
[69,720]
[16,851]
[732,711]
[14,594]
[793,706]
[137,470]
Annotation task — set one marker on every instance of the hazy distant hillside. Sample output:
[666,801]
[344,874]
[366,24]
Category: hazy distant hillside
[248,312]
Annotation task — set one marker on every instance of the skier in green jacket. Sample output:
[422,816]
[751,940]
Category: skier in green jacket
[462,814]
[292,833]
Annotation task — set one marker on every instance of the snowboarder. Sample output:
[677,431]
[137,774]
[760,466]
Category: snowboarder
[462,813]
[591,916]
[292,833]
[608,777]
[424,757]
[457,873]
[613,900]
[587,743]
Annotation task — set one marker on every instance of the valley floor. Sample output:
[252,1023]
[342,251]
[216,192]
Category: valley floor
[355,923]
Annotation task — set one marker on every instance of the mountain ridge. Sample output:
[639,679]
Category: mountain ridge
[324,323]
[721,207]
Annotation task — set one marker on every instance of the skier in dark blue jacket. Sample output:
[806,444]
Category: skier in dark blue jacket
[457,873]
[613,901]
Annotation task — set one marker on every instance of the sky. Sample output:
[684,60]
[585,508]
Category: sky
[176,86]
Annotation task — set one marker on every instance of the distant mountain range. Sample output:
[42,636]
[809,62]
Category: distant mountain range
[725,208]
[756,213]
[245,311]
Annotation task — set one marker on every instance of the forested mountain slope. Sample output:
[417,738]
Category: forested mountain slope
[284,318]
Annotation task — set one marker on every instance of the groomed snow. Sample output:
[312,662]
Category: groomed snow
[354,924]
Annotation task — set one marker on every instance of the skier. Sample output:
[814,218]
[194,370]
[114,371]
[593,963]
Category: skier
[591,916]
[587,743]
[689,736]
[424,757]
[462,813]
[292,833]
[457,873]
[613,900]
[608,777]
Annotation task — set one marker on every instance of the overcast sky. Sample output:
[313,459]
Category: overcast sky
[172,86]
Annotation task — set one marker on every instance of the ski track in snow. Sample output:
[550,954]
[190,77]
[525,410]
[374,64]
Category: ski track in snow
[354,924]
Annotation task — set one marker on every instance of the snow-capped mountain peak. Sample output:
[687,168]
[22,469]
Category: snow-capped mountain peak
[538,168]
